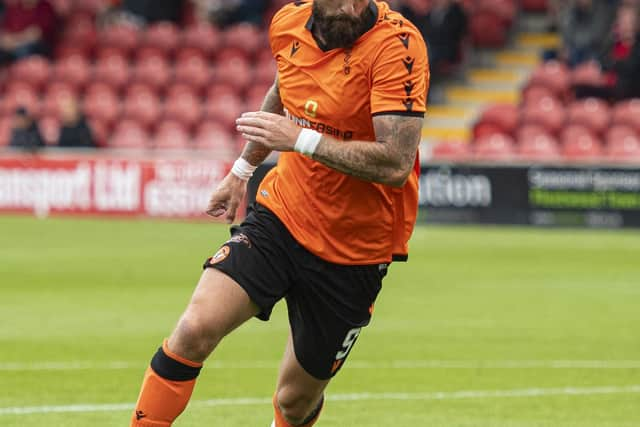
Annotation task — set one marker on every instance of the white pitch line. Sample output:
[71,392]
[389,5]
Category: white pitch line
[353,397]
[354,364]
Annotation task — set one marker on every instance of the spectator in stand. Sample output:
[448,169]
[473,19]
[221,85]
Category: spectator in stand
[229,12]
[443,25]
[621,61]
[75,131]
[584,26]
[25,133]
[28,27]
[150,11]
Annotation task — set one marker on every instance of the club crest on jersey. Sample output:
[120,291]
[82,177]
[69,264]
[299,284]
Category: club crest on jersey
[240,238]
[221,255]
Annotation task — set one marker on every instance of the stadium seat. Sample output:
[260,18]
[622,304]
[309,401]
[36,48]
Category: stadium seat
[574,131]
[142,104]
[171,134]
[627,113]
[73,69]
[49,129]
[547,113]
[494,148]
[224,108]
[213,136]
[451,151]
[534,5]
[246,38]
[504,117]
[525,132]
[203,37]
[163,35]
[265,69]
[101,103]
[234,71]
[625,149]
[112,69]
[533,94]
[33,70]
[20,94]
[592,113]
[80,31]
[487,30]
[554,75]
[153,71]
[588,73]
[193,70]
[255,96]
[540,147]
[582,147]
[129,134]
[619,132]
[99,131]
[121,36]
[184,107]
[56,92]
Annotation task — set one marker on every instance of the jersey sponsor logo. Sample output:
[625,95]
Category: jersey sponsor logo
[345,135]
[220,256]
[404,38]
[408,63]
[295,47]
[311,108]
[240,238]
[408,87]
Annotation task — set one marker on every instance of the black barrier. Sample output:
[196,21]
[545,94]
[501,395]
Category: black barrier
[536,195]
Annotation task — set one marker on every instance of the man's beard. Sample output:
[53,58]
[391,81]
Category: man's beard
[341,31]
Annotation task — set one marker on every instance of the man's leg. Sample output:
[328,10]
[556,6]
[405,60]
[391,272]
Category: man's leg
[299,396]
[218,306]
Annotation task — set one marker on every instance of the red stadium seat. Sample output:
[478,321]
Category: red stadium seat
[211,136]
[49,129]
[539,148]
[193,70]
[203,37]
[80,30]
[224,109]
[6,127]
[625,149]
[451,151]
[547,113]
[163,35]
[530,131]
[533,94]
[627,113]
[129,134]
[153,71]
[619,132]
[55,93]
[19,94]
[184,107]
[265,70]
[592,113]
[582,147]
[142,104]
[74,70]
[504,117]
[573,132]
[121,36]
[487,30]
[245,37]
[553,75]
[33,70]
[588,73]
[171,134]
[255,96]
[112,69]
[235,72]
[101,103]
[534,5]
[494,148]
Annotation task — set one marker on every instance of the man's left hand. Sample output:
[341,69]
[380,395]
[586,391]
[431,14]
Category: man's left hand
[274,131]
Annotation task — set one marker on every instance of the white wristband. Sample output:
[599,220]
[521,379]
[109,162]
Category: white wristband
[307,142]
[243,169]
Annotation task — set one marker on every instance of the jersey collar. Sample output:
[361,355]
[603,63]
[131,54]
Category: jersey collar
[374,18]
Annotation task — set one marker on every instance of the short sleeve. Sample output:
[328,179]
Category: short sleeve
[400,76]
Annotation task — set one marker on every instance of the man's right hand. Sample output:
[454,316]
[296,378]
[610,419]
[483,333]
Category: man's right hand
[227,197]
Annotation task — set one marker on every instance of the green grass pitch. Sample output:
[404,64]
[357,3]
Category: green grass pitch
[484,327]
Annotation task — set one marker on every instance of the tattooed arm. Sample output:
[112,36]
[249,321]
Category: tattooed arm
[388,161]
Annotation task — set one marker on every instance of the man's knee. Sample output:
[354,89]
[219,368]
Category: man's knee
[296,406]
[195,336]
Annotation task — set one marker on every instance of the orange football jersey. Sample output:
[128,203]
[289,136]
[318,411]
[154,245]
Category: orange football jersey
[336,92]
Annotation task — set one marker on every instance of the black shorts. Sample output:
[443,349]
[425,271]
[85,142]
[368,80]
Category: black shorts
[327,303]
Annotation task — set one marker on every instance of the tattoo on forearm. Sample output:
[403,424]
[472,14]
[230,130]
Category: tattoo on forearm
[388,161]
[254,152]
